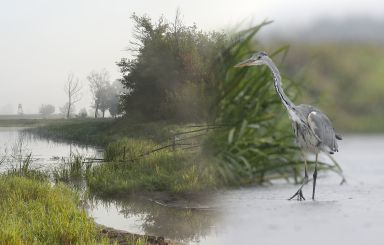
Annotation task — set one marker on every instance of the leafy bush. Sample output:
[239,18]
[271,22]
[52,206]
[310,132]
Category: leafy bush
[170,58]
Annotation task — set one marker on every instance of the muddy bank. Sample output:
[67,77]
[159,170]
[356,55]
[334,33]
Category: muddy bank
[125,238]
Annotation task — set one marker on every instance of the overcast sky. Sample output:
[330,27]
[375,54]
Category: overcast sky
[42,41]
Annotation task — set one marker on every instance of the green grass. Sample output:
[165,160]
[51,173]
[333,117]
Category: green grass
[34,212]
[21,122]
[72,169]
[101,132]
[124,141]
[166,170]
[21,167]
[128,149]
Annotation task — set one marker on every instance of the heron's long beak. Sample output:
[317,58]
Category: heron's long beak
[247,62]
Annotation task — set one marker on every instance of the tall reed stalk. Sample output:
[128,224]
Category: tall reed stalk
[258,143]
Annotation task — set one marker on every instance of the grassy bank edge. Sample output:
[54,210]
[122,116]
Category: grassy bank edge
[35,212]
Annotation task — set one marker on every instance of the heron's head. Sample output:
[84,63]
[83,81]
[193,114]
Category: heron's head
[256,59]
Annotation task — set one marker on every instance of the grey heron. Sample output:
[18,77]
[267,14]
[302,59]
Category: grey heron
[312,128]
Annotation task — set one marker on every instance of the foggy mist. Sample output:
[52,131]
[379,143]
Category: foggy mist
[43,41]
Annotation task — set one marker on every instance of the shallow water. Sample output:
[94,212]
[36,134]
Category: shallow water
[45,153]
[352,213]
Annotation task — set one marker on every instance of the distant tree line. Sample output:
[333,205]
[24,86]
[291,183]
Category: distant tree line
[105,94]
[170,75]
[46,109]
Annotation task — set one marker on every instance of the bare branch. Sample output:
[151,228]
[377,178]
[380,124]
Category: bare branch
[72,89]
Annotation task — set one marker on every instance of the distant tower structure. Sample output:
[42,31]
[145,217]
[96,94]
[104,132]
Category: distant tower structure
[20,110]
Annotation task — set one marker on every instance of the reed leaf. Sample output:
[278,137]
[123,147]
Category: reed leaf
[259,142]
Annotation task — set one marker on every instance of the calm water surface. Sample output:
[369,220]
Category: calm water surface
[46,154]
[352,213]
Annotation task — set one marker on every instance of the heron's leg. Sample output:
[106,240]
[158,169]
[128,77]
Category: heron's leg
[314,178]
[299,192]
[305,171]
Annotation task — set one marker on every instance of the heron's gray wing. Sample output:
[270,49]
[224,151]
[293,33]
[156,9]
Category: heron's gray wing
[321,126]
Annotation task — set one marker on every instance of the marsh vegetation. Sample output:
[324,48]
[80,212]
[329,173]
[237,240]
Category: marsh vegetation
[246,139]
[194,126]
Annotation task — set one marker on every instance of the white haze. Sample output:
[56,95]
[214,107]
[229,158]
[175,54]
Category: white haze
[42,41]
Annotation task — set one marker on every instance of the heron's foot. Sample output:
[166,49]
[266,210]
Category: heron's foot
[299,195]
[343,181]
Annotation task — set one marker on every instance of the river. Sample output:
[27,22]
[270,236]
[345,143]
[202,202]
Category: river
[352,213]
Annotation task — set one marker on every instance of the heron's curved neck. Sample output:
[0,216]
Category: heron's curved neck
[277,81]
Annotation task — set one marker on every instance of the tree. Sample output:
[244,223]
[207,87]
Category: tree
[72,89]
[83,113]
[99,83]
[170,58]
[46,110]
[105,94]
[114,92]
[67,111]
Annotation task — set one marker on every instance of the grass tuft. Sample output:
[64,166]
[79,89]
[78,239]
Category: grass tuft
[34,212]
[166,170]
[128,149]
[71,169]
